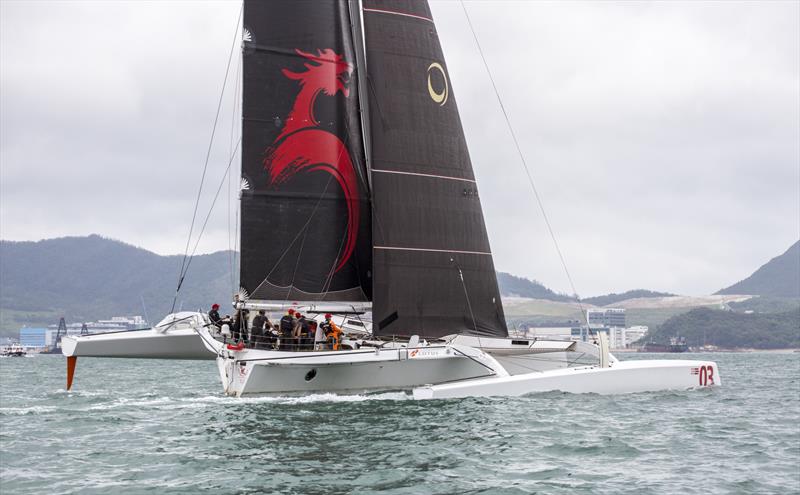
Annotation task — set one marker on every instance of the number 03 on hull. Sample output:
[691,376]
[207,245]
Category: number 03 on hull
[619,378]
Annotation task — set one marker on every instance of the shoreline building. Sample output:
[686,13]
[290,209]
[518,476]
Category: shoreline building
[606,317]
[34,338]
[612,321]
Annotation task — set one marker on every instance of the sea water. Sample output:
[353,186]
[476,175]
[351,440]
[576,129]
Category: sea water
[138,426]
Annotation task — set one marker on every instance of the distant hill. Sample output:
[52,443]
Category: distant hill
[631,294]
[88,278]
[780,277]
[731,330]
[522,287]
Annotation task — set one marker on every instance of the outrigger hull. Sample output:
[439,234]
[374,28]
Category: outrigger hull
[174,337]
[621,378]
[145,344]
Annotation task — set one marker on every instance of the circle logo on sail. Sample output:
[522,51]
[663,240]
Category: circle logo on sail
[437,77]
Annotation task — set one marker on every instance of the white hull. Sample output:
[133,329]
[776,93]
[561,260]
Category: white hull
[501,367]
[453,370]
[352,374]
[164,341]
[621,378]
[254,371]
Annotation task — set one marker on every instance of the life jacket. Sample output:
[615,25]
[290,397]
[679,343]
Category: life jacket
[213,315]
[327,328]
[258,325]
[287,325]
[333,333]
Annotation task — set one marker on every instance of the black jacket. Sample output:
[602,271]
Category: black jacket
[287,325]
[213,315]
[259,322]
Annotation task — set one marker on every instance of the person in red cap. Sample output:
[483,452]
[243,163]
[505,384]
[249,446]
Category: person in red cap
[213,315]
[333,333]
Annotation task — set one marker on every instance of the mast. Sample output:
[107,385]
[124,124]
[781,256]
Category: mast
[357,22]
[433,268]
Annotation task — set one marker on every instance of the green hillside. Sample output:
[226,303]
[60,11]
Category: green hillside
[779,277]
[89,278]
[631,294]
[511,285]
[732,330]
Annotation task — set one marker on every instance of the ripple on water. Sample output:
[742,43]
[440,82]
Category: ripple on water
[138,426]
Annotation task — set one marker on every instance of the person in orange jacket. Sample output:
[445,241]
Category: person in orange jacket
[332,332]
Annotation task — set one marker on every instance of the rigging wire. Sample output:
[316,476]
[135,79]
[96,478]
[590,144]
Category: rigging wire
[326,285]
[211,209]
[525,165]
[186,259]
[469,304]
[236,259]
[303,229]
[231,254]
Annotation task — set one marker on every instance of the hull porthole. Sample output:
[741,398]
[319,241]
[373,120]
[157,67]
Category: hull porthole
[311,374]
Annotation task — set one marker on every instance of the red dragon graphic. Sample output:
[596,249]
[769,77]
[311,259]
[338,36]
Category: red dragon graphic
[303,147]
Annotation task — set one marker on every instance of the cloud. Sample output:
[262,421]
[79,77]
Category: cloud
[663,137]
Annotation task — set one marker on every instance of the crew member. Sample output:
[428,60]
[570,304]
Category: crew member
[213,315]
[239,326]
[310,335]
[332,332]
[287,329]
[319,336]
[300,330]
[258,329]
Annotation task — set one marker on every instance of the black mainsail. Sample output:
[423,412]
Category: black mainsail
[306,220]
[432,264]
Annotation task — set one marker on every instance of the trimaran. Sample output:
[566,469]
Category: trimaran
[358,196]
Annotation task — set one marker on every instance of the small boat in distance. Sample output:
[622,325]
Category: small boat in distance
[676,344]
[13,350]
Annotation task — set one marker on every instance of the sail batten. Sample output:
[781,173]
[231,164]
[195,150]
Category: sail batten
[453,251]
[432,176]
[395,12]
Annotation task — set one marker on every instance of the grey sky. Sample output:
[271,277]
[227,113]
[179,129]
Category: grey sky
[664,138]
